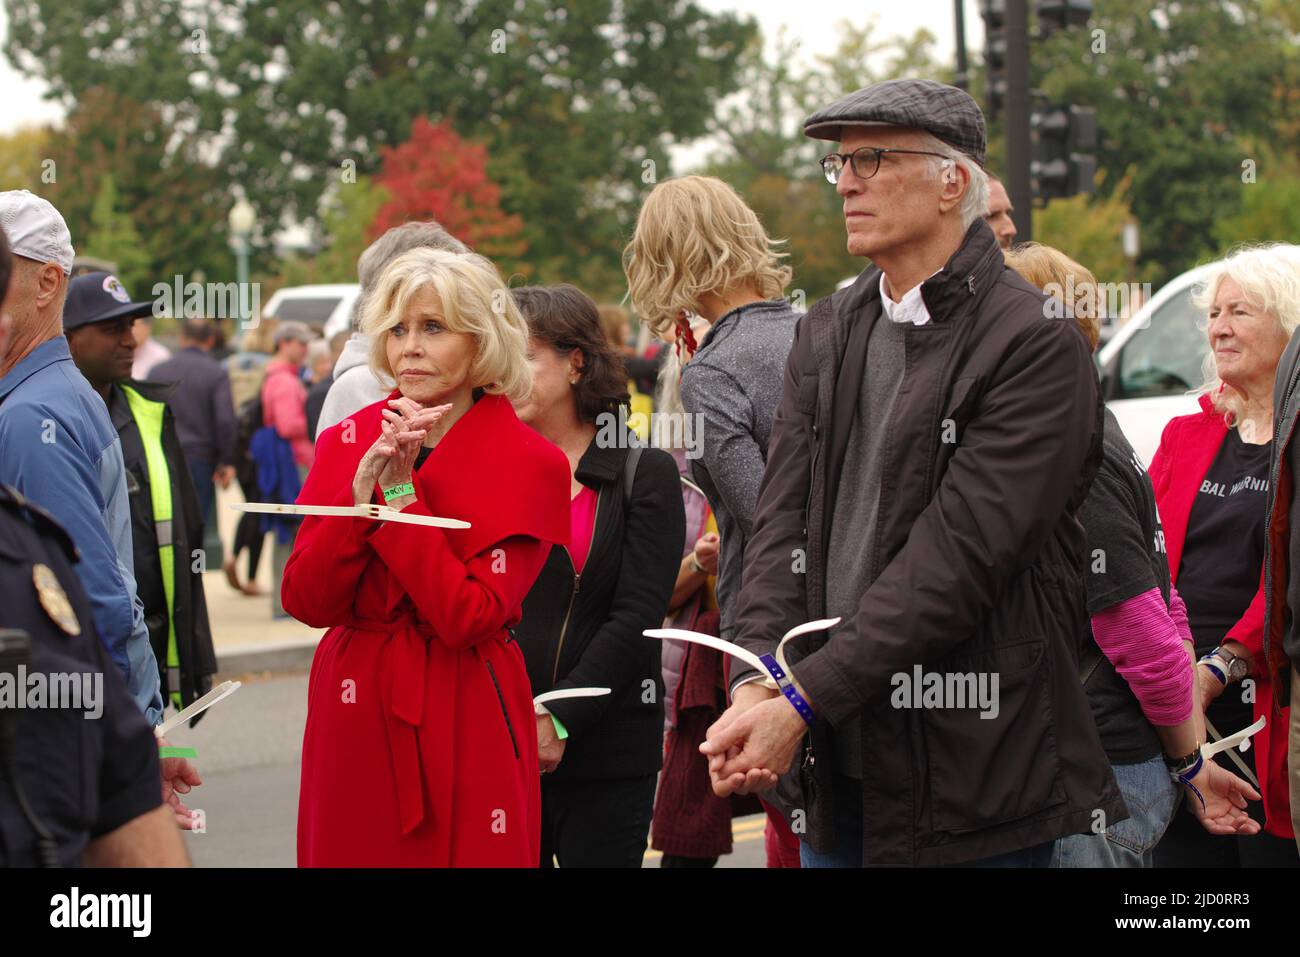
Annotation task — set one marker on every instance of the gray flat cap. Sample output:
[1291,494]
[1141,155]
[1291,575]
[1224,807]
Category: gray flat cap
[945,111]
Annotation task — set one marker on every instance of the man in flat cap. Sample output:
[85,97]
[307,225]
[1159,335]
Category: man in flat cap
[937,435]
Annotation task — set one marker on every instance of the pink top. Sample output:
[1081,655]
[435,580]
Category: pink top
[1144,641]
[284,406]
[582,521]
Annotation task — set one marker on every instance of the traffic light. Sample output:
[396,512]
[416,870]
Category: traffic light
[1056,15]
[994,13]
[1064,140]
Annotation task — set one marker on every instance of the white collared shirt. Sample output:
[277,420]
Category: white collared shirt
[911,308]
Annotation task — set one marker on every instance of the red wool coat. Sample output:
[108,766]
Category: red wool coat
[421,743]
[1187,450]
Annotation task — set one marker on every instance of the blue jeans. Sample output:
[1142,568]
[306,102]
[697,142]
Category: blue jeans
[1151,797]
[848,838]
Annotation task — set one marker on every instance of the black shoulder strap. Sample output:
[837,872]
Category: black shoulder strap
[629,471]
[1089,662]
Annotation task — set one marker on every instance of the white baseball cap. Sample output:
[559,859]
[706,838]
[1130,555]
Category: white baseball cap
[35,229]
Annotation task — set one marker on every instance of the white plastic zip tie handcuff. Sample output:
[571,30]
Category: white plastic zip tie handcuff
[1231,744]
[561,693]
[380,513]
[223,690]
[774,665]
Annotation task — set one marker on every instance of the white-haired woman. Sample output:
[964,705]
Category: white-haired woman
[421,746]
[1211,477]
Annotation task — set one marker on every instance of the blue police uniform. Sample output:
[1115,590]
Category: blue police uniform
[82,776]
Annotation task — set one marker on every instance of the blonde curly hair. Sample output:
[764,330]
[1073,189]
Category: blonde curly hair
[694,236]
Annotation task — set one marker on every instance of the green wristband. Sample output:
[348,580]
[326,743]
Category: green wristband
[561,731]
[397,491]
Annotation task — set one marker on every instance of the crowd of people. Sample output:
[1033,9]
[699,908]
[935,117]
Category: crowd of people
[921,464]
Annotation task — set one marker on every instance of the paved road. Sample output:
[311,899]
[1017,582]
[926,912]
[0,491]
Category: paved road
[248,752]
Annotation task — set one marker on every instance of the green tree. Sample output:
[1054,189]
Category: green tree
[571,98]
[349,212]
[175,203]
[1089,229]
[769,161]
[1270,204]
[22,153]
[113,237]
[347,222]
[1179,87]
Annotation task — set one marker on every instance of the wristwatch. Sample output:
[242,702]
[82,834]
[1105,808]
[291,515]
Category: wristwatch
[1182,765]
[1228,667]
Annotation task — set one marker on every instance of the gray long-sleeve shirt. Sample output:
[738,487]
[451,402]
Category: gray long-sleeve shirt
[733,385]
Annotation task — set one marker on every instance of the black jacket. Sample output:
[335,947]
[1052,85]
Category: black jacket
[198,660]
[587,632]
[204,410]
[990,451]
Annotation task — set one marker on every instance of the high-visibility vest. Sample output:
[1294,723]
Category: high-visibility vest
[148,416]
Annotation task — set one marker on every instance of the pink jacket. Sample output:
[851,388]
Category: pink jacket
[284,407]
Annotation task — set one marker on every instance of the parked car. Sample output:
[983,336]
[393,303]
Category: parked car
[1154,360]
[326,308]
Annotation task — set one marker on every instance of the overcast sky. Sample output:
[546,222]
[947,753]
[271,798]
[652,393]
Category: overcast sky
[810,21]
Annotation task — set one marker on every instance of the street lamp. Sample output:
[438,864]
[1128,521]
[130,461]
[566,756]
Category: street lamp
[1130,240]
[242,220]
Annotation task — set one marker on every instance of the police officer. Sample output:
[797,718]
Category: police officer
[78,778]
[166,520]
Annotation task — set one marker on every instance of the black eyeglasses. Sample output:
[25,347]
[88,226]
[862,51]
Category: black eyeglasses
[865,161]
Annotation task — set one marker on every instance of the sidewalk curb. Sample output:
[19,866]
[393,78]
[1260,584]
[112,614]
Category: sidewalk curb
[294,654]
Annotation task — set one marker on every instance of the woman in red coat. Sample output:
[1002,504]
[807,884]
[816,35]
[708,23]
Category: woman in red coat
[421,746]
[1210,477]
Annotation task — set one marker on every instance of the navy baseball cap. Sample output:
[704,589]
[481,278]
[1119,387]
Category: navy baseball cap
[99,297]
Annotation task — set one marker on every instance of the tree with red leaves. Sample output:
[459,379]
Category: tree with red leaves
[437,175]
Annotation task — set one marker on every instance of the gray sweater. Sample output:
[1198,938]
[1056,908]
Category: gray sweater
[733,384]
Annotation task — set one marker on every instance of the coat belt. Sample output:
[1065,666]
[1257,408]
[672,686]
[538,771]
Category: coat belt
[405,661]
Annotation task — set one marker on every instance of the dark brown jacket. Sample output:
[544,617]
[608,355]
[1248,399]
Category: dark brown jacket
[993,442]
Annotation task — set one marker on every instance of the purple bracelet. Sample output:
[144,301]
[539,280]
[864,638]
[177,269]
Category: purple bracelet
[787,688]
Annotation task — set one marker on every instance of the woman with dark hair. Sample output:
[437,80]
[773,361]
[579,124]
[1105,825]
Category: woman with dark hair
[583,619]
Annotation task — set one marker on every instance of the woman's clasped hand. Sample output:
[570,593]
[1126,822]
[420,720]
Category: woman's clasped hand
[391,459]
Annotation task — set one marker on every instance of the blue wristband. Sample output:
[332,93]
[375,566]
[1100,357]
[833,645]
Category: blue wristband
[1185,778]
[787,688]
[1211,662]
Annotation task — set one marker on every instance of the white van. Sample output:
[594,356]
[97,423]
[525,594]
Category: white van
[1153,360]
[326,308]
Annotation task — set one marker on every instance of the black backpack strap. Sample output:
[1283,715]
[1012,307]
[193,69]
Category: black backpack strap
[629,471]
[1089,662]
